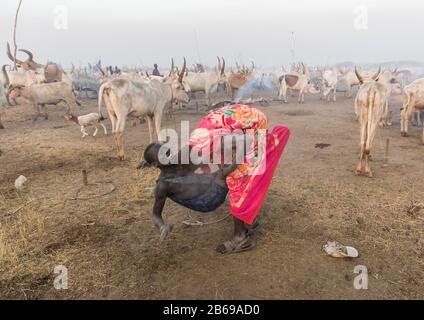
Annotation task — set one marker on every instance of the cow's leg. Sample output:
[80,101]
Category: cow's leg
[413,118]
[422,139]
[404,117]
[363,139]
[208,102]
[150,124]
[213,90]
[301,98]
[158,123]
[334,93]
[68,106]
[104,128]
[358,169]
[283,93]
[95,131]
[84,133]
[418,117]
[357,111]
[240,240]
[349,91]
[383,121]
[37,112]
[371,130]
[120,126]
[43,107]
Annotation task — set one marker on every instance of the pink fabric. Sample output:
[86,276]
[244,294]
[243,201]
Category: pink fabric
[248,184]
[253,188]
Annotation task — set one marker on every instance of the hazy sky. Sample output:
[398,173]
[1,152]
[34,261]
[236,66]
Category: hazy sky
[141,32]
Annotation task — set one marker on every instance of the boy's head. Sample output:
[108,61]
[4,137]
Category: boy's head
[152,155]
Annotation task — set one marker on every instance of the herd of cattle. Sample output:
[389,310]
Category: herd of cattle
[136,93]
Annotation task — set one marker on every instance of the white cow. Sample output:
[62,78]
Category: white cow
[45,93]
[369,103]
[329,83]
[140,98]
[390,82]
[413,100]
[206,82]
[349,77]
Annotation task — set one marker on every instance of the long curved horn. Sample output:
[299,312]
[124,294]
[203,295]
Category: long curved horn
[181,75]
[303,68]
[101,70]
[29,53]
[375,75]
[6,77]
[172,67]
[223,66]
[9,54]
[219,63]
[358,76]
[6,84]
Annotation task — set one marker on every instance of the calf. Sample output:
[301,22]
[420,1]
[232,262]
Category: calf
[413,99]
[47,93]
[88,120]
[369,104]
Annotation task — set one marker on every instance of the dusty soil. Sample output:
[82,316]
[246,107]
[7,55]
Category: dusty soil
[111,249]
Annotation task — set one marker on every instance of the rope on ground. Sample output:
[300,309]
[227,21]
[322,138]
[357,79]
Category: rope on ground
[194,222]
[77,197]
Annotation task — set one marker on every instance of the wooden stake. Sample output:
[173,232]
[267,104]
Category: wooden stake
[84,177]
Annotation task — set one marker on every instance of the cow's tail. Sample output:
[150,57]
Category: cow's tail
[75,98]
[104,89]
[371,106]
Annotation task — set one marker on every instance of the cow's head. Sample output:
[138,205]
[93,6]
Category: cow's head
[394,82]
[28,64]
[14,92]
[313,86]
[175,79]
[326,88]
[222,77]
[363,79]
[6,84]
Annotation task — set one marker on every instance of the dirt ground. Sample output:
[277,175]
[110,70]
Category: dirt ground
[111,249]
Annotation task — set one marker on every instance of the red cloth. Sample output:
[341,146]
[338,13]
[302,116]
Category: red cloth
[249,183]
[254,187]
